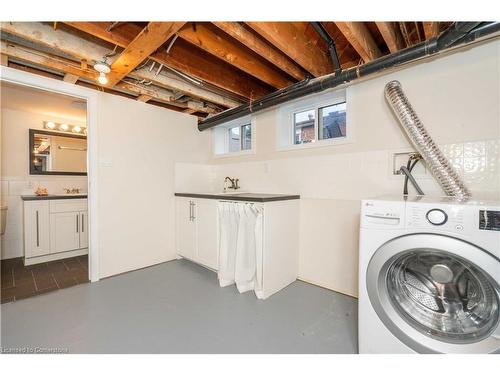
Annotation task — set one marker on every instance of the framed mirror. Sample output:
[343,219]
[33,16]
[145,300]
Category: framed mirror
[55,153]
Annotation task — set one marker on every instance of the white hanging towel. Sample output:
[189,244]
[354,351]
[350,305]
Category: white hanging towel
[240,246]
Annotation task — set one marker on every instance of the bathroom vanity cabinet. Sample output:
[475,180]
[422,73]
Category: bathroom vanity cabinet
[54,228]
[197,233]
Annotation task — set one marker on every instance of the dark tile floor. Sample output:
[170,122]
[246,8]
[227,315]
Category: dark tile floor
[19,281]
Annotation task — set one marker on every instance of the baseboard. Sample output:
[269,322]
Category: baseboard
[56,256]
[326,287]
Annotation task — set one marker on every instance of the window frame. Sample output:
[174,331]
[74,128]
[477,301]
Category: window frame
[285,129]
[220,147]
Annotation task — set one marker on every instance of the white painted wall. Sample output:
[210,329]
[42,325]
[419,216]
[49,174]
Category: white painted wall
[15,177]
[456,96]
[133,148]
[139,145]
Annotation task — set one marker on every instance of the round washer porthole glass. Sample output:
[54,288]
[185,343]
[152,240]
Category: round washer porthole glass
[443,295]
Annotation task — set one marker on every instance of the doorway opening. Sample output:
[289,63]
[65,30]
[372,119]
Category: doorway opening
[44,191]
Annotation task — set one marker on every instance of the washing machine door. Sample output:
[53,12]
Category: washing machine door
[437,294]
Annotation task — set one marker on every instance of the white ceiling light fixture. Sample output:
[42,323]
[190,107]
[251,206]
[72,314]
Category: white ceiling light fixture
[103,68]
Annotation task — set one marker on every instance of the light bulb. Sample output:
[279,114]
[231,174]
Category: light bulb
[102,78]
[77,129]
[50,125]
[63,127]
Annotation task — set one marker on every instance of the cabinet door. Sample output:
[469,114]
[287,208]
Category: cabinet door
[36,228]
[84,225]
[206,232]
[185,228]
[64,231]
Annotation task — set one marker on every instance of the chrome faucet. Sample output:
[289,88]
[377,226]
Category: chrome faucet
[72,191]
[234,183]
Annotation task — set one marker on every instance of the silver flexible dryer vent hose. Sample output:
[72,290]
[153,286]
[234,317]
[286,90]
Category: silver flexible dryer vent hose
[438,164]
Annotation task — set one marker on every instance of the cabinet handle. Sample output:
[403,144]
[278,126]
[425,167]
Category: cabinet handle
[194,217]
[83,225]
[37,231]
[190,211]
[77,222]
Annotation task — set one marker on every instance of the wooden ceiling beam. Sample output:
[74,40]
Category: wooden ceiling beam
[392,36]
[100,30]
[185,59]
[213,41]
[57,40]
[360,38]
[169,81]
[200,64]
[144,98]
[43,59]
[58,64]
[431,29]
[144,44]
[288,38]
[87,51]
[262,48]
[70,78]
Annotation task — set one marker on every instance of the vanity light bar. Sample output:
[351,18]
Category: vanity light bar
[63,127]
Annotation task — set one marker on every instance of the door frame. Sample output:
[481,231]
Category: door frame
[91,97]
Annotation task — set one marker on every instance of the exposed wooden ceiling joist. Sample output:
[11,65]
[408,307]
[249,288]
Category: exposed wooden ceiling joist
[186,59]
[215,42]
[392,36]
[70,78]
[262,48]
[88,52]
[144,44]
[287,37]
[359,36]
[66,67]
[144,98]
[169,81]
[4,60]
[431,29]
[200,64]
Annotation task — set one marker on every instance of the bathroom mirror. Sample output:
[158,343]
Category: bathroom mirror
[57,153]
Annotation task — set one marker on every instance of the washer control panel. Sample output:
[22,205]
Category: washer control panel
[436,216]
[448,218]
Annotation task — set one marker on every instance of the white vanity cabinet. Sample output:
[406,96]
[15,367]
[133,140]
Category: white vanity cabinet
[196,230]
[36,228]
[54,229]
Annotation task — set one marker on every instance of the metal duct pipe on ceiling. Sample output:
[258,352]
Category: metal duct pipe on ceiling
[438,164]
[455,35]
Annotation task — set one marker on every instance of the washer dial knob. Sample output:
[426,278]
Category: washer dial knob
[436,216]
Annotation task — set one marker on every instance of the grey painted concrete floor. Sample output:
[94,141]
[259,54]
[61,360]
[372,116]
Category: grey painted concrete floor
[178,307]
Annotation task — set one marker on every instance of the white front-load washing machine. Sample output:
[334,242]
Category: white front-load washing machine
[429,276]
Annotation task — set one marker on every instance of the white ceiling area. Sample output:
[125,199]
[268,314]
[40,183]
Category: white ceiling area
[47,103]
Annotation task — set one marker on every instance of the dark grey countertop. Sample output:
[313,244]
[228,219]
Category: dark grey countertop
[52,196]
[246,197]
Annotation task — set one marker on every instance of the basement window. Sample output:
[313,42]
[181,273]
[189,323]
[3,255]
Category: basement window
[319,120]
[234,138]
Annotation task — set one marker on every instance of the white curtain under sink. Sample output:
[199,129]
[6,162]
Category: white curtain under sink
[240,246]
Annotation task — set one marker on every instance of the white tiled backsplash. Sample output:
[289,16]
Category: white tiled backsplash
[12,189]
[346,175]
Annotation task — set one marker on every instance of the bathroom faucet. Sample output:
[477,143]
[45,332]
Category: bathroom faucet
[72,191]
[234,183]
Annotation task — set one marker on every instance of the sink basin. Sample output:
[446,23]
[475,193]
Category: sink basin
[231,192]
